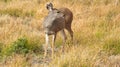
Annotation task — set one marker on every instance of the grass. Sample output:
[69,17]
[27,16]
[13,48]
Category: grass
[17,12]
[96,28]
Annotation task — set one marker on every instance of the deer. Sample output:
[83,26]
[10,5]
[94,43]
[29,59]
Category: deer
[68,17]
[56,20]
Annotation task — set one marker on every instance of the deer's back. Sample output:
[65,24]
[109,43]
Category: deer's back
[68,15]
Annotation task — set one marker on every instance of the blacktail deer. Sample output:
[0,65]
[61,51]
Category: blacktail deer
[57,20]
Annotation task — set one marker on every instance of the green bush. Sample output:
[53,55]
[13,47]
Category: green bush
[18,47]
[23,46]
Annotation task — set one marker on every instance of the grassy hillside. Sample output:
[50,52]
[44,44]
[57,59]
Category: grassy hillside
[96,27]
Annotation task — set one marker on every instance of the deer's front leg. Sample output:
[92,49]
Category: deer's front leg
[53,43]
[46,44]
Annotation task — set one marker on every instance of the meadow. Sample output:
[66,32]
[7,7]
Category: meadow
[96,26]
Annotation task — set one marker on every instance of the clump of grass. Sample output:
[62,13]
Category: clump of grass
[6,0]
[106,2]
[17,12]
[15,61]
[82,56]
[111,14]
[1,46]
[35,45]
[112,46]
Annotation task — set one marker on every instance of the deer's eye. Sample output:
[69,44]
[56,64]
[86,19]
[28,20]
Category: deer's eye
[58,11]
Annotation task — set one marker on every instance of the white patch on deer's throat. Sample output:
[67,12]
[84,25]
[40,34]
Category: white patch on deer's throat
[50,9]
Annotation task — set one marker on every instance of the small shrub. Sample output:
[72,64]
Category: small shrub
[18,47]
[22,46]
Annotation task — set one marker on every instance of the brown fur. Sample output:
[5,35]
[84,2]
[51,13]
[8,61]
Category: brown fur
[68,19]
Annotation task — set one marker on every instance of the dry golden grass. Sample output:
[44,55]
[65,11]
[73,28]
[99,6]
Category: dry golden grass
[17,61]
[96,27]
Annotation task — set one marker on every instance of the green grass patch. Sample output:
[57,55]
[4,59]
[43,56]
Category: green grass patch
[17,12]
[1,46]
[112,46]
[18,47]
[5,1]
[22,46]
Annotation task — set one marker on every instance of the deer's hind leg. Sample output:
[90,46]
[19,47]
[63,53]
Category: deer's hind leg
[64,39]
[68,27]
